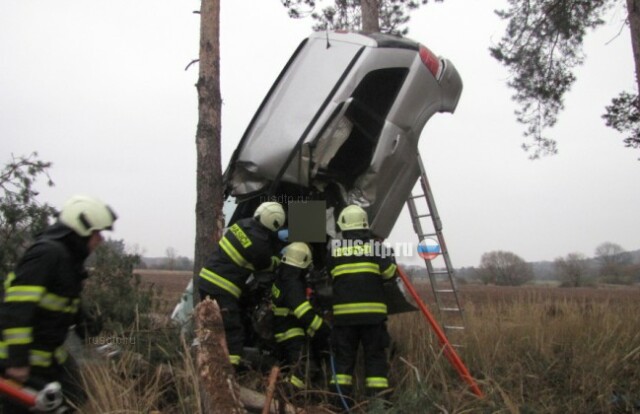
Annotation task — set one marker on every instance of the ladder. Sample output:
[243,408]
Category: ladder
[427,224]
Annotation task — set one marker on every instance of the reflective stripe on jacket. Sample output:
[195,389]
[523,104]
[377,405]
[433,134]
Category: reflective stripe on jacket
[245,247]
[293,314]
[358,276]
[42,300]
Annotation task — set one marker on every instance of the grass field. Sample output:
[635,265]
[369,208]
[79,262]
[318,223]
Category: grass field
[532,349]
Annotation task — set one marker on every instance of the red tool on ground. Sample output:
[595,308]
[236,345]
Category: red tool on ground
[49,399]
[448,349]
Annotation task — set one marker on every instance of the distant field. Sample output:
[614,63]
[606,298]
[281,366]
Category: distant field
[172,282]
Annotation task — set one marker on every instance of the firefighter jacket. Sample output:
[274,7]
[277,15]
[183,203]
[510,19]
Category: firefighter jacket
[294,315]
[358,267]
[42,299]
[246,246]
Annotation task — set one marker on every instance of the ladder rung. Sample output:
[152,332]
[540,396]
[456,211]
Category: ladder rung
[444,290]
[419,216]
[423,235]
[454,327]
[416,196]
[440,272]
[450,309]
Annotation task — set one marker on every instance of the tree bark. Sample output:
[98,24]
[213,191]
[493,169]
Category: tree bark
[209,220]
[633,7]
[220,392]
[370,16]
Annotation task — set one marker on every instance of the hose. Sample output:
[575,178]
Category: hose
[335,380]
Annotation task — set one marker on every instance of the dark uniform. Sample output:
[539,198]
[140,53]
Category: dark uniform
[294,320]
[247,246]
[359,309]
[41,303]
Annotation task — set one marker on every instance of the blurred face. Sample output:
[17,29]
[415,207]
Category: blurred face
[94,240]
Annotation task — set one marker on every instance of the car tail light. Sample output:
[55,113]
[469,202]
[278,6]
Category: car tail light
[431,61]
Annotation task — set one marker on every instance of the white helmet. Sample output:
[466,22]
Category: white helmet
[297,254]
[270,214]
[353,217]
[85,214]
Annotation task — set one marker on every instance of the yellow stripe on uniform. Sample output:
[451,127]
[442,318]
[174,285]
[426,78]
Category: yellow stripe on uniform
[10,278]
[242,237]
[362,307]
[390,271]
[377,382]
[291,333]
[40,358]
[296,382]
[54,302]
[220,281]
[314,325]
[18,336]
[302,309]
[342,379]
[360,267]
[234,255]
[24,293]
[280,311]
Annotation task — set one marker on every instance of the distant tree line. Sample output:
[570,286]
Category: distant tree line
[172,261]
[611,264]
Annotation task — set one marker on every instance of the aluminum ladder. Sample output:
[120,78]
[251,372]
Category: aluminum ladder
[427,224]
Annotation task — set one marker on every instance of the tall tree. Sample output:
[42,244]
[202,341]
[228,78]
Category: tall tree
[386,16]
[370,16]
[572,269]
[209,221]
[613,261]
[504,268]
[542,46]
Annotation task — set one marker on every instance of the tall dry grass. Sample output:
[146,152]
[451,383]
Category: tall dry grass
[530,354]
[531,351]
[129,383]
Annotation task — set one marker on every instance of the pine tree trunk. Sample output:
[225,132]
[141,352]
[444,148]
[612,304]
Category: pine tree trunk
[209,220]
[219,390]
[370,16]
[633,7]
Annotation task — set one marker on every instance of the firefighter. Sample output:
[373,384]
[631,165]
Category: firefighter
[359,266]
[249,245]
[42,298]
[295,320]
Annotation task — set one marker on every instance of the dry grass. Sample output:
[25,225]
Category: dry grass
[532,350]
[129,384]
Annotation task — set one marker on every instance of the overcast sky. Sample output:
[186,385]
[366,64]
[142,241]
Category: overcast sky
[99,89]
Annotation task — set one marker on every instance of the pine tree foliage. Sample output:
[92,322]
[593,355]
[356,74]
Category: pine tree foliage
[346,15]
[541,47]
[624,116]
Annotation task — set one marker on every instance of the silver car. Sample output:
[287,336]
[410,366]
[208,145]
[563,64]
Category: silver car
[341,123]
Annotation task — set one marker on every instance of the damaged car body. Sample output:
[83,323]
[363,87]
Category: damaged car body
[341,123]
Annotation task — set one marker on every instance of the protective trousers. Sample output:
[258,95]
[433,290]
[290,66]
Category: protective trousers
[345,341]
[292,352]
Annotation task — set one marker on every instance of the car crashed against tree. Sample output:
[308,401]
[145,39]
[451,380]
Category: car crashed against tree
[341,124]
